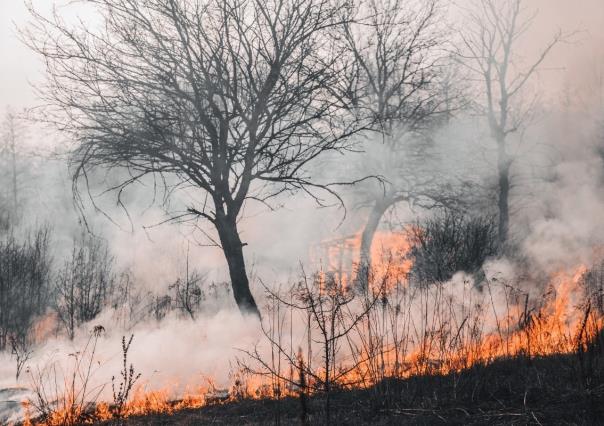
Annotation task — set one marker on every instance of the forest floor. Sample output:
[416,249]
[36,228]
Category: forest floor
[561,390]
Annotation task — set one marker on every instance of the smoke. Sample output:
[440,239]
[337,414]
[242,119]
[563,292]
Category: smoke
[557,218]
[174,355]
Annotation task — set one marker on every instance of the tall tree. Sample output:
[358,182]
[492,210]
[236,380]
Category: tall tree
[401,61]
[491,40]
[11,130]
[232,97]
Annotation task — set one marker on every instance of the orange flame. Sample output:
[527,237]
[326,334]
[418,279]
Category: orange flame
[389,257]
[458,328]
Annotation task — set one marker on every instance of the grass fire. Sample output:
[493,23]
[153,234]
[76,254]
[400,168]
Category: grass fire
[343,212]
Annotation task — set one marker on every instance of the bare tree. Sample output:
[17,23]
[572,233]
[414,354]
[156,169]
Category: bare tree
[21,351]
[399,51]
[24,285]
[84,285]
[491,40]
[188,294]
[11,130]
[331,313]
[233,98]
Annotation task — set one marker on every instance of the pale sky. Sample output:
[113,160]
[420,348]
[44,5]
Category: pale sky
[575,65]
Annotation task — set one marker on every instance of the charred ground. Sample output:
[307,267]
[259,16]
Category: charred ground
[560,389]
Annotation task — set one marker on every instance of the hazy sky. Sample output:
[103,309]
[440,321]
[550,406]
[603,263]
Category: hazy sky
[576,64]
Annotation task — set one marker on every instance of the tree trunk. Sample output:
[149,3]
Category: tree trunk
[13,165]
[503,169]
[233,252]
[14,176]
[375,216]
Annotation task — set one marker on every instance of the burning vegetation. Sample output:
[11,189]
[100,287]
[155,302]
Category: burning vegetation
[324,337]
[444,293]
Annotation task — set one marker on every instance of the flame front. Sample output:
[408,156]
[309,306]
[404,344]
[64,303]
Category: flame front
[388,254]
[412,330]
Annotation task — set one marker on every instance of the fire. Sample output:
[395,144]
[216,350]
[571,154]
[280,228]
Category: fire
[563,324]
[560,320]
[143,402]
[165,401]
[389,254]
[389,257]
[413,330]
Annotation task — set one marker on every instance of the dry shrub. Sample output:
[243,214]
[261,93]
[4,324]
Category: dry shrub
[449,243]
[67,397]
[24,285]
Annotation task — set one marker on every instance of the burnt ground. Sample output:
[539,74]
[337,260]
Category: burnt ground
[565,390]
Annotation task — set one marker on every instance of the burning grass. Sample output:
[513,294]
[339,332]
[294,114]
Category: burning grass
[391,250]
[415,351]
[519,390]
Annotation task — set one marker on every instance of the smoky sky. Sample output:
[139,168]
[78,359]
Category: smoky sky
[577,66]
[565,219]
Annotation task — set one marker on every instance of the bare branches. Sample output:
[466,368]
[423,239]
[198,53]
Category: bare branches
[21,351]
[399,56]
[25,278]
[85,284]
[331,312]
[128,379]
[490,53]
[72,400]
[224,97]
[203,92]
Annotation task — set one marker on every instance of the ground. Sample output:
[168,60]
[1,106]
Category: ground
[561,390]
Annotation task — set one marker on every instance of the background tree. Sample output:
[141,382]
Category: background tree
[490,40]
[233,98]
[188,294]
[11,130]
[25,277]
[401,64]
[85,284]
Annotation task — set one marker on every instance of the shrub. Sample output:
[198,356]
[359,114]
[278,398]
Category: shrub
[451,242]
[85,284]
[24,285]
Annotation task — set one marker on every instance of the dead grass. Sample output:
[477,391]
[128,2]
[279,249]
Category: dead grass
[518,390]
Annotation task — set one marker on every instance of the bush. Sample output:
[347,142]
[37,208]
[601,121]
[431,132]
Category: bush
[24,285]
[85,284]
[593,282]
[451,242]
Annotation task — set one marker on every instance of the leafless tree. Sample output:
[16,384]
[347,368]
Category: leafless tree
[11,130]
[401,64]
[21,350]
[233,98]
[129,302]
[24,285]
[490,41]
[84,285]
[327,307]
[188,294]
